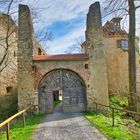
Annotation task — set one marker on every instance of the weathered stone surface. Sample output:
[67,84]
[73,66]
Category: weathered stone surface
[26,92]
[97,61]
[117,66]
[94,26]
[8,69]
[8,76]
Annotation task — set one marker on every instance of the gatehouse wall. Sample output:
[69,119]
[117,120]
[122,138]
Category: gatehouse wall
[92,68]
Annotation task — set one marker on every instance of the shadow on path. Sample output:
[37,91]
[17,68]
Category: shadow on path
[66,126]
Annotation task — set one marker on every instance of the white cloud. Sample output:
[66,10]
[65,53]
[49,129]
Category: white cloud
[60,10]
[64,10]
[61,44]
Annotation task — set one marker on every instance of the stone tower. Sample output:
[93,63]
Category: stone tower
[26,90]
[95,49]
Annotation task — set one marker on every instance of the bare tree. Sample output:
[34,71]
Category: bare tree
[4,41]
[75,48]
[9,8]
[44,35]
[123,8]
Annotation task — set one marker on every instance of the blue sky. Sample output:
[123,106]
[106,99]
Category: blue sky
[65,33]
[61,28]
[66,19]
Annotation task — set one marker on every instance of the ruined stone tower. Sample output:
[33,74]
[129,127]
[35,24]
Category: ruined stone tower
[26,92]
[95,49]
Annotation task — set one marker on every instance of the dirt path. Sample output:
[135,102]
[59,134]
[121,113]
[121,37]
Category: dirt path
[66,126]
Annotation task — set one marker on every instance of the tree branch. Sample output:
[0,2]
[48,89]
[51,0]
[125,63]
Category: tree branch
[6,39]
[137,7]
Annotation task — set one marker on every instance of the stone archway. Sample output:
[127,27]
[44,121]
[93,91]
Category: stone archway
[71,86]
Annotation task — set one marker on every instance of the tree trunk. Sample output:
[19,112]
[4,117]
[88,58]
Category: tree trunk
[132,58]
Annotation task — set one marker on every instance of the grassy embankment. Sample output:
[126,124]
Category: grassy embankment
[125,127]
[18,132]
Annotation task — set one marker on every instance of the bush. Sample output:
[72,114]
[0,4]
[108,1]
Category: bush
[8,105]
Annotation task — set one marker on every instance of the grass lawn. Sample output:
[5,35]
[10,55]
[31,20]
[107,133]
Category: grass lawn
[119,132]
[17,132]
[55,103]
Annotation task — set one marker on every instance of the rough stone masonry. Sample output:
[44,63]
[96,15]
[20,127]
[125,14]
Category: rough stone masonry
[90,66]
[26,90]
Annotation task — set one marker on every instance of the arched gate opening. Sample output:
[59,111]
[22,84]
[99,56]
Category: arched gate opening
[66,83]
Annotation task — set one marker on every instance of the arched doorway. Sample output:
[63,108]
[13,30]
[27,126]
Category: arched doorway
[67,83]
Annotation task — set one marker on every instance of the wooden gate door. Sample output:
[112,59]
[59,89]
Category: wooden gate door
[72,87]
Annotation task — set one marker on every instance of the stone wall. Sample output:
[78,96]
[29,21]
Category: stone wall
[26,90]
[44,67]
[97,62]
[8,76]
[8,69]
[117,66]
[37,50]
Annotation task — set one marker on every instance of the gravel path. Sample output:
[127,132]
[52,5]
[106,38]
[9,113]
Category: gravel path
[66,126]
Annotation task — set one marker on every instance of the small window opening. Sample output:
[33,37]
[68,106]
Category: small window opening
[86,66]
[9,89]
[39,51]
[122,43]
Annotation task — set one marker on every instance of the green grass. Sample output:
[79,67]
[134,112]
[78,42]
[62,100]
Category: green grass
[120,102]
[18,132]
[119,132]
[55,103]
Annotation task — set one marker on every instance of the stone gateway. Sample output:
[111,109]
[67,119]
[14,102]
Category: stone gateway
[81,79]
[68,84]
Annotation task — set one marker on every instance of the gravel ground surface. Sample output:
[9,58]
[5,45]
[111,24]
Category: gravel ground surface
[66,126]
